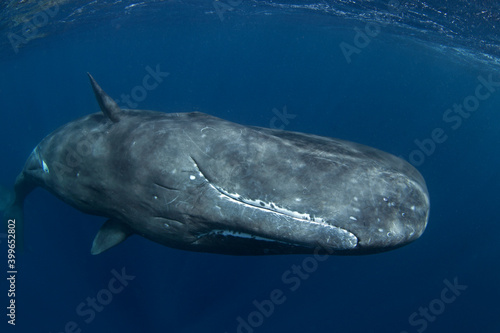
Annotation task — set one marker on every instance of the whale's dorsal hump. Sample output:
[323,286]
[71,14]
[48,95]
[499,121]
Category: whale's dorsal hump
[107,104]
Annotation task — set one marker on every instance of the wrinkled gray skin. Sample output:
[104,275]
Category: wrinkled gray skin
[196,182]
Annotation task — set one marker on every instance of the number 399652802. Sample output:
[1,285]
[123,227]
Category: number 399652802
[11,241]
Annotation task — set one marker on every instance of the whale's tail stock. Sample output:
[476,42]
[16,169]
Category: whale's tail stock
[7,196]
[12,209]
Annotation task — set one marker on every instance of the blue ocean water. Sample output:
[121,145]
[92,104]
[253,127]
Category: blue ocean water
[387,74]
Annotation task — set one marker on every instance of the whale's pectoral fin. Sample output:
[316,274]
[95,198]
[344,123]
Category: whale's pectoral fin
[111,233]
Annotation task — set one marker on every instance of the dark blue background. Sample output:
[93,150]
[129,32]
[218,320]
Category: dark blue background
[393,92]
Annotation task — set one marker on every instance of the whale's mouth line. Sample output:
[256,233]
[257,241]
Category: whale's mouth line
[240,234]
[307,230]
